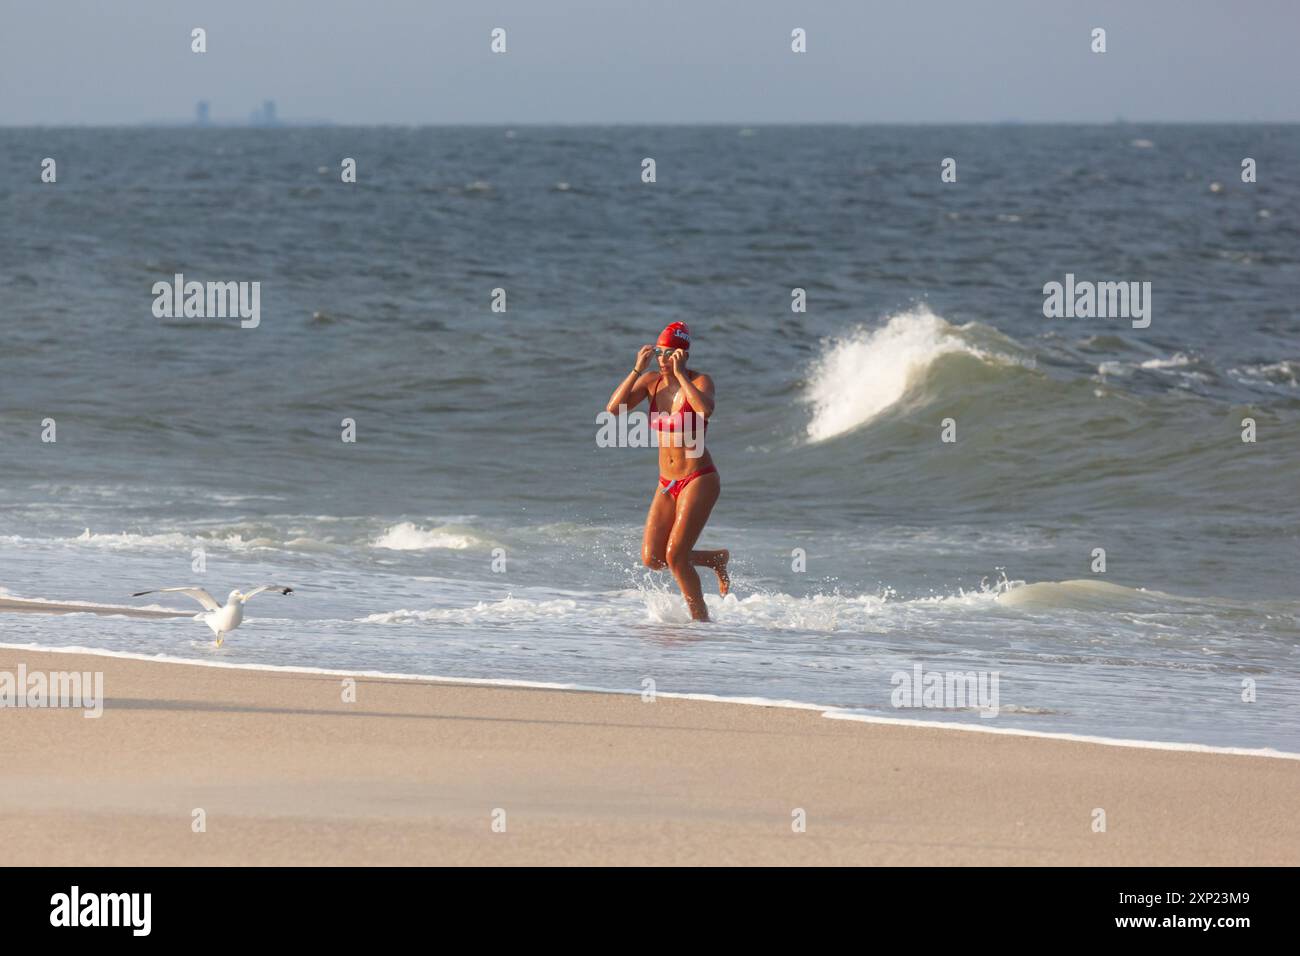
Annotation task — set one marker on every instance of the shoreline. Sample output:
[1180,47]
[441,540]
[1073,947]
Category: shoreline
[13,605]
[826,711]
[285,770]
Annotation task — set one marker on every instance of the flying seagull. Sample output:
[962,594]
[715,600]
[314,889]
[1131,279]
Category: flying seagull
[222,620]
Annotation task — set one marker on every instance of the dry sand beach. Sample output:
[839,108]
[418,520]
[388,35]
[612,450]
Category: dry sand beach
[286,772]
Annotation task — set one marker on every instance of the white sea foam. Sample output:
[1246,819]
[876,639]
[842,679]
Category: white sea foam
[826,613]
[510,610]
[126,541]
[660,606]
[169,540]
[869,371]
[1177,364]
[1082,594]
[288,535]
[1285,372]
[774,611]
[406,536]
[1177,360]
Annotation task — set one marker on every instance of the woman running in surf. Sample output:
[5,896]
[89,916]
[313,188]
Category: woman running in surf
[681,402]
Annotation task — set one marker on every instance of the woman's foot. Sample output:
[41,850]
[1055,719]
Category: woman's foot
[716,561]
[724,579]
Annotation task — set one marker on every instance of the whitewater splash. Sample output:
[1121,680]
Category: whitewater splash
[406,536]
[828,613]
[770,612]
[869,371]
[1088,595]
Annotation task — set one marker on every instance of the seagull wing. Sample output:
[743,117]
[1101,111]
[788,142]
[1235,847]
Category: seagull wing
[267,587]
[200,595]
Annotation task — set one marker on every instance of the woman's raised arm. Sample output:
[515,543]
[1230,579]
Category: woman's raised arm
[635,385]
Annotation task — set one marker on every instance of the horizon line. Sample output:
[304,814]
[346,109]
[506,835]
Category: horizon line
[739,124]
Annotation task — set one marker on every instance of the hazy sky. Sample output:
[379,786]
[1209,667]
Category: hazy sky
[650,61]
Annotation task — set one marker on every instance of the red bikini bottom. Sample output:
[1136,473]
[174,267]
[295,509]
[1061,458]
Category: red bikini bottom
[674,486]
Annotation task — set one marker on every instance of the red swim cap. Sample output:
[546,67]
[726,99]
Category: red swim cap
[676,336]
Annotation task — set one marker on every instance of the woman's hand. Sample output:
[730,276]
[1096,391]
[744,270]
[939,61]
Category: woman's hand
[643,358]
[698,392]
[677,364]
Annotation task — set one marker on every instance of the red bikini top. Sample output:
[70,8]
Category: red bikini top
[667,421]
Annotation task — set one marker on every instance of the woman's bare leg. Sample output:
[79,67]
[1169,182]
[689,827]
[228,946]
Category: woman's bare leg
[658,523]
[717,561]
[694,505]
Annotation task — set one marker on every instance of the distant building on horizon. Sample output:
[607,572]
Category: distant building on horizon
[265,116]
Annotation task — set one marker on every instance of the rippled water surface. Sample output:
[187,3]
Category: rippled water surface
[476,429]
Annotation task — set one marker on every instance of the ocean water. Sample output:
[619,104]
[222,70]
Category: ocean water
[476,429]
